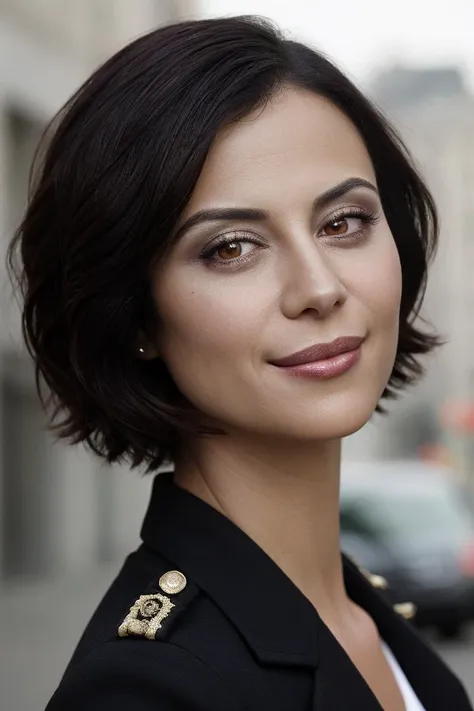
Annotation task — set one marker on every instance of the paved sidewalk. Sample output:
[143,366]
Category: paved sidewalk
[40,624]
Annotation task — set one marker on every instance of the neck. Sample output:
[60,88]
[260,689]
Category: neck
[285,496]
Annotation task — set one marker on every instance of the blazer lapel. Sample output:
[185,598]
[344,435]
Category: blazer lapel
[338,685]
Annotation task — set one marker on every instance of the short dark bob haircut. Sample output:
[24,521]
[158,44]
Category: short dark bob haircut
[118,166]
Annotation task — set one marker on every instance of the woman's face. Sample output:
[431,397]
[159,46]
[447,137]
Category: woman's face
[283,246]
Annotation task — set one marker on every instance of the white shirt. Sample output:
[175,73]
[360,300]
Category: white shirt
[412,703]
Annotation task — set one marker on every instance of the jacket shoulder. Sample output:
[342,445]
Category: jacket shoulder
[127,657]
[126,674]
[145,601]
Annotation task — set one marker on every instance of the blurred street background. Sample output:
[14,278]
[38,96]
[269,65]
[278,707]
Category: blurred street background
[66,520]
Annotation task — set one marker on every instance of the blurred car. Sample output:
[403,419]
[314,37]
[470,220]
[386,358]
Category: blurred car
[409,522]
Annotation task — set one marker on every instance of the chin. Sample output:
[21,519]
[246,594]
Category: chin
[334,418]
[331,429]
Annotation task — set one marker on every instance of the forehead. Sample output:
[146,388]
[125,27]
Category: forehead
[298,145]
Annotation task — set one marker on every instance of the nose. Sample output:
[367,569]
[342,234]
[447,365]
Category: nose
[311,283]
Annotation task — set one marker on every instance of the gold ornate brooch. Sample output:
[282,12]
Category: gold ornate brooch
[145,616]
[149,611]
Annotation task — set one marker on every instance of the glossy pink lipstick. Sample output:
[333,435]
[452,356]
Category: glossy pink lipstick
[323,360]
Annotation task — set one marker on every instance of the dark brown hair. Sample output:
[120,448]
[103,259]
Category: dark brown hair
[122,162]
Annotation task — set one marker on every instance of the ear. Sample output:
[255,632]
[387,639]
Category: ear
[146,350]
[146,353]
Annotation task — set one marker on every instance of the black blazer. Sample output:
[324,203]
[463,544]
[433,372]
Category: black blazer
[239,635]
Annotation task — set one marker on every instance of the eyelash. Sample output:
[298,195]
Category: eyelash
[368,219]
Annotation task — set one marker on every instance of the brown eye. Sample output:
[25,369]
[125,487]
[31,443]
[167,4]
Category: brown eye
[231,250]
[337,227]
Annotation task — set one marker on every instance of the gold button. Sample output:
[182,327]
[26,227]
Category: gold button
[378,581]
[172,582]
[405,609]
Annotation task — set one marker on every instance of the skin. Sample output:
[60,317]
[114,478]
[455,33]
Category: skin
[312,275]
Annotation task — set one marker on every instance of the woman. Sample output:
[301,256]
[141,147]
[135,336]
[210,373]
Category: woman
[222,260]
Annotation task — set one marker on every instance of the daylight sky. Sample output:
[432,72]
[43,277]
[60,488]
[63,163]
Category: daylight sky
[364,35]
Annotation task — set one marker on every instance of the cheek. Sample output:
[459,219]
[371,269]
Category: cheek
[207,325]
[378,284]
[211,339]
[390,282]
[382,300]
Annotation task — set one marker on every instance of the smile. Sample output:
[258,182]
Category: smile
[323,360]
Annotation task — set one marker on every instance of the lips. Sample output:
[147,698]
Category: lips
[320,351]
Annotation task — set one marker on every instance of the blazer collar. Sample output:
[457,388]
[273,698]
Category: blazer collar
[281,625]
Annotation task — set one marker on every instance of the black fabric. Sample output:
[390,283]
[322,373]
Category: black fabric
[240,637]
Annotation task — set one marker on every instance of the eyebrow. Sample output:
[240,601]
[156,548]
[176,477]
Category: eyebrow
[254,214]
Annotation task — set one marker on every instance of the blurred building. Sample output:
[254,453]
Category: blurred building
[59,509]
[434,113]
[401,88]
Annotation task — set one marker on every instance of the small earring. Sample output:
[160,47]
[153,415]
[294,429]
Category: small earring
[141,350]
